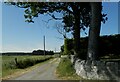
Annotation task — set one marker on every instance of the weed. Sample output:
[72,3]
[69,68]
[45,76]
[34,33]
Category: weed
[65,70]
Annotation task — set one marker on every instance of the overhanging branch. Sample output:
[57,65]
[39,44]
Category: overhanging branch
[54,17]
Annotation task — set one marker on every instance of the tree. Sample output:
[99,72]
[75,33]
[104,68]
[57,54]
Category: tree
[94,31]
[61,29]
[76,13]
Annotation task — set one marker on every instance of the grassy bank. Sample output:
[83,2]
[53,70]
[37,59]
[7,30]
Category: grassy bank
[66,71]
[12,64]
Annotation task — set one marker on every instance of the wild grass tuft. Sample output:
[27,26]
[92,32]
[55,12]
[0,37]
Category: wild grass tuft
[12,64]
[66,71]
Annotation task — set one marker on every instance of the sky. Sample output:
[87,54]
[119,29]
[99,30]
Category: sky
[20,36]
[0,27]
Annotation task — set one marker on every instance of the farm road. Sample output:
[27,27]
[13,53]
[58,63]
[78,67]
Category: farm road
[43,72]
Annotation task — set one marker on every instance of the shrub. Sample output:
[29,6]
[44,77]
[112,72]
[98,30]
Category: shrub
[23,63]
[29,62]
[107,45]
[65,70]
[65,67]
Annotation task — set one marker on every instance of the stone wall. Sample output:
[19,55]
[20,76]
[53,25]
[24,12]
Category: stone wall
[97,70]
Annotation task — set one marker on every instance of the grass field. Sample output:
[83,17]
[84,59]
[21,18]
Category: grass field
[9,65]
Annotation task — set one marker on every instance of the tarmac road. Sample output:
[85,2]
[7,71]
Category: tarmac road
[44,72]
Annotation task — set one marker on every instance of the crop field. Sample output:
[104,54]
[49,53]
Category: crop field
[11,64]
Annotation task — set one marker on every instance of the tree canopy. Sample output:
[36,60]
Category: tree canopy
[34,9]
[76,15]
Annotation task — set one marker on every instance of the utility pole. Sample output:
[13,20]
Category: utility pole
[55,50]
[44,44]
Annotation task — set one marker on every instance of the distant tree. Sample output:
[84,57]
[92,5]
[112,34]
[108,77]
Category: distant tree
[41,52]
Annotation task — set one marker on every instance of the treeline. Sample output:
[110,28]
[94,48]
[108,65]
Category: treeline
[108,45]
[34,52]
[15,53]
[41,52]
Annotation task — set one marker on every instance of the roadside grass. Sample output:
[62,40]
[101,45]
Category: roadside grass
[18,72]
[24,63]
[66,71]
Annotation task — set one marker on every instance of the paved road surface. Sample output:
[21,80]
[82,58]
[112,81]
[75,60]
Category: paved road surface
[44,72]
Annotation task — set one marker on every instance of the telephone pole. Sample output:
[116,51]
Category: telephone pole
[44,44]
[55,50]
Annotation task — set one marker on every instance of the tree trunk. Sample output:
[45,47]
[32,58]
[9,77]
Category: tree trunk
[76,35]
[94,31]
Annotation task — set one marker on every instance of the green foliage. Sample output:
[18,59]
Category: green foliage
[108,46]
[66,69]
[68,21]
[76,15]
[70,51]
[34,9]
[9,62]
[41,52]
[62,49]
[66,49]
[29,62]
[9,66]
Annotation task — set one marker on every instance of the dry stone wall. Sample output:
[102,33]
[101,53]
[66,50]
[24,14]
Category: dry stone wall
[97,70]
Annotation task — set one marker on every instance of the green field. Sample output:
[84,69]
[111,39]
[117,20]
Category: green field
[9,65]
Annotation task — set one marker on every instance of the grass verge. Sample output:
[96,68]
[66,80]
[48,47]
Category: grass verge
[8,72]
[66,71]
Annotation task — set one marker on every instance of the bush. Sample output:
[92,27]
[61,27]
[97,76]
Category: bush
[65,67]
[23,63]
[65,70]
[29,62]
[107,45]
